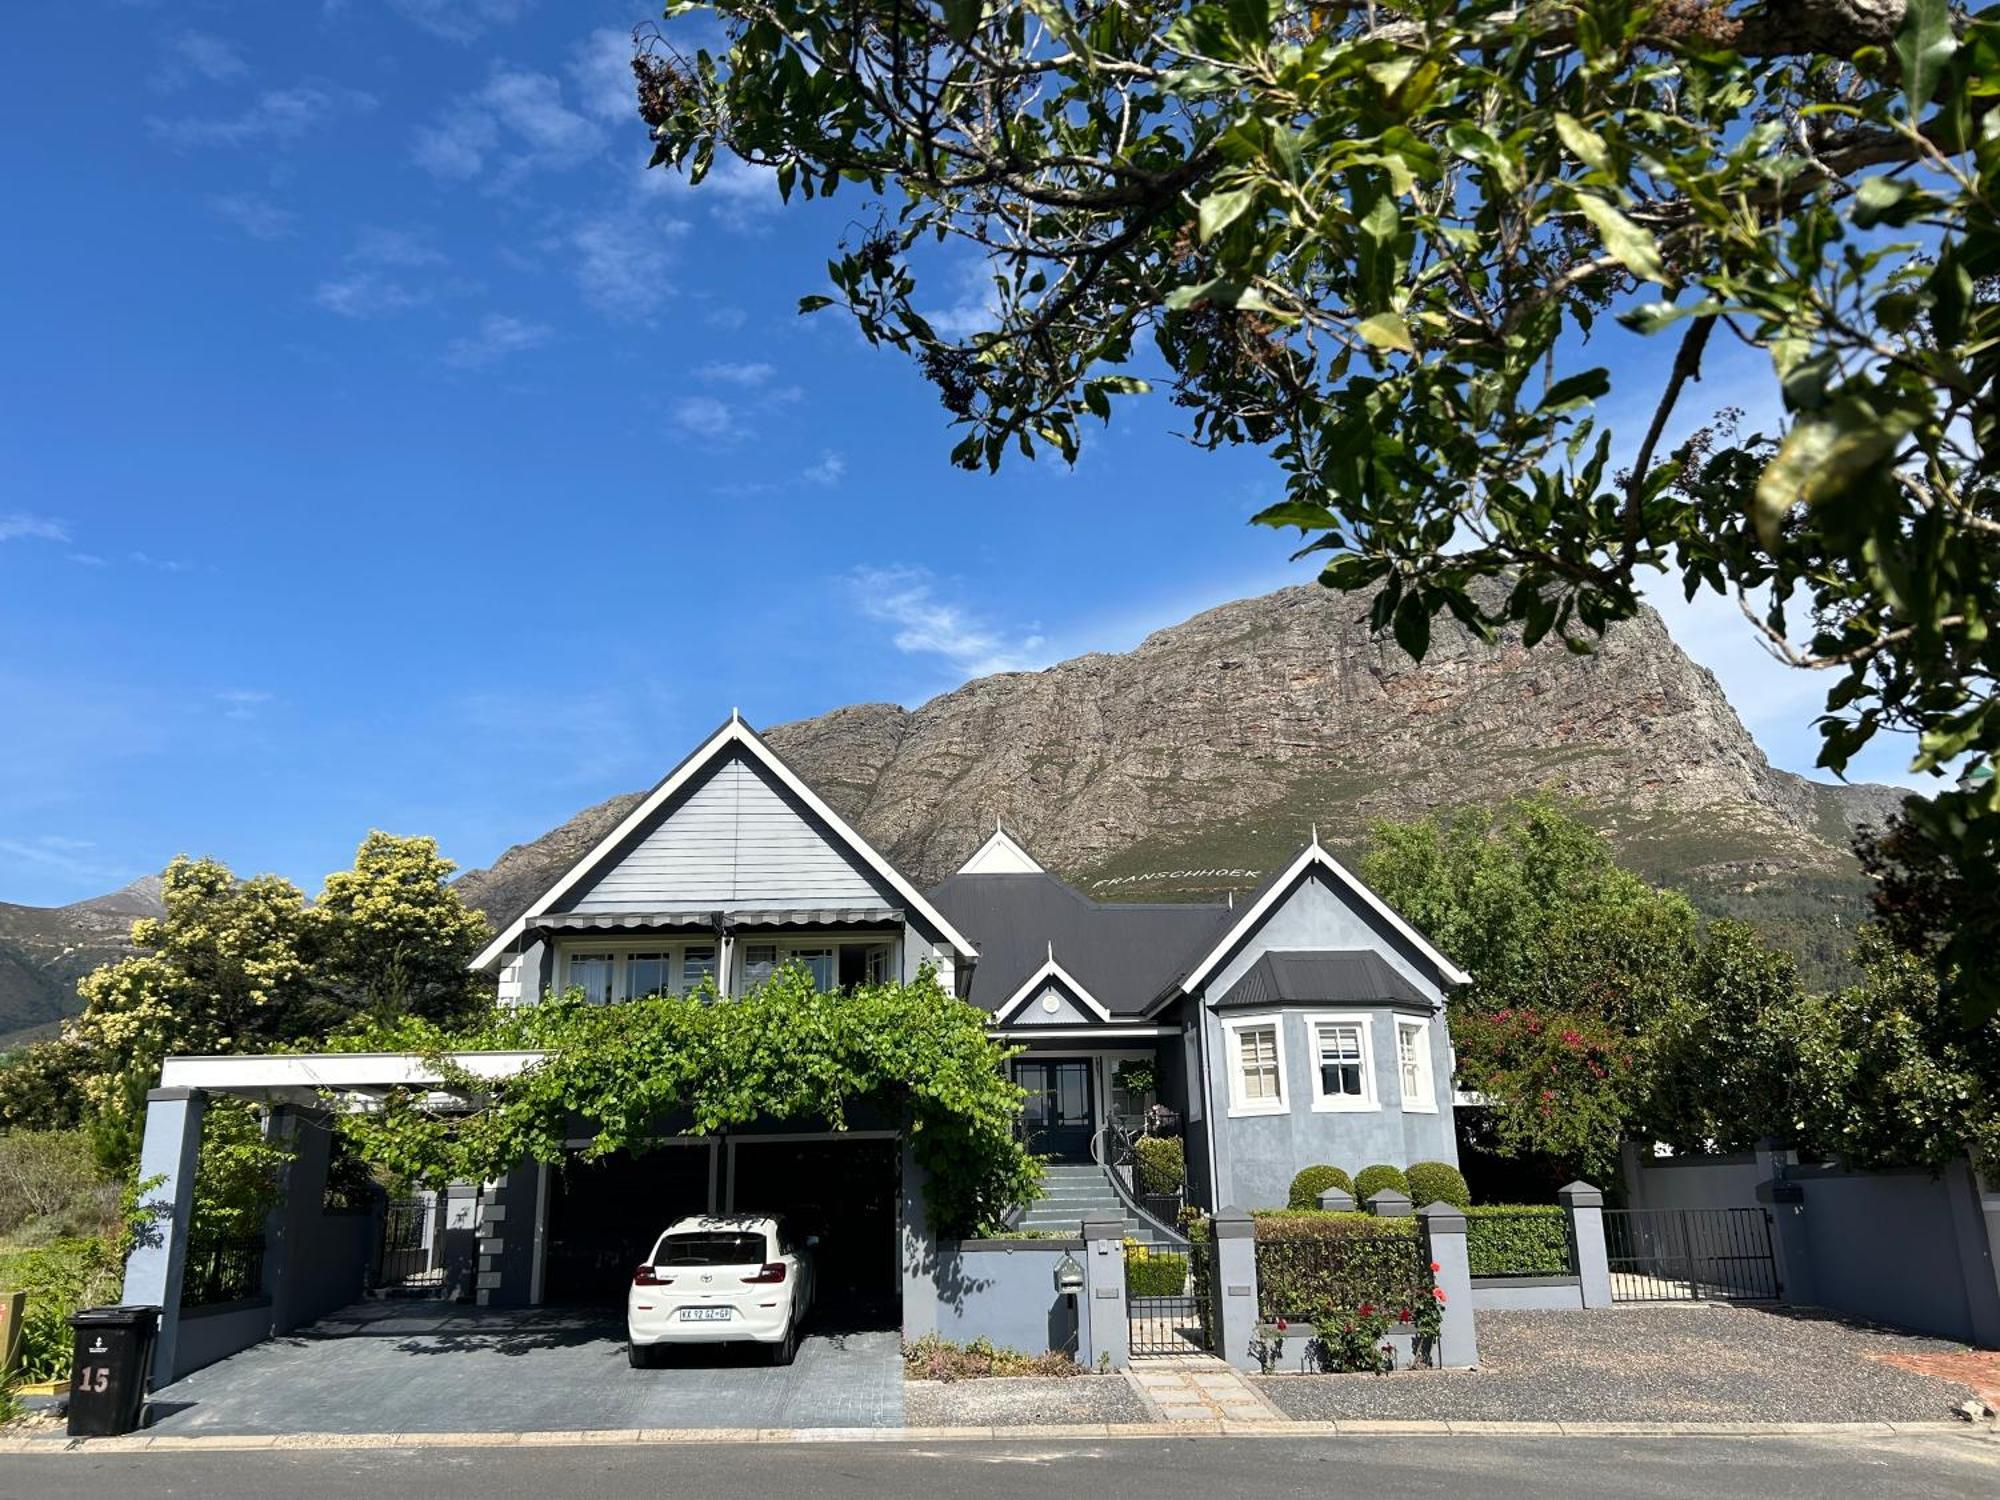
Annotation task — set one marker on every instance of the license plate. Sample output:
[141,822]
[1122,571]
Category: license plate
[704,1314]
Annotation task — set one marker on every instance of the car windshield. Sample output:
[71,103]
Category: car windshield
[710,1248]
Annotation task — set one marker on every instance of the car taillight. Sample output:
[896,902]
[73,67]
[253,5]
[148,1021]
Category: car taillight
[646,1275]
[773,1272]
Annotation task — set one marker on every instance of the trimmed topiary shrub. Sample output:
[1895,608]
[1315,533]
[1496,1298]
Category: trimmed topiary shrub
[1161,1163]
[1438,1182]
[1517,1239]
[1154,1273]
[1308,1262]
[1310,1183]
[1377,1178]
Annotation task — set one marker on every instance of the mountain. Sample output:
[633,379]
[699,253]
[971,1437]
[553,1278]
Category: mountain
[1204,757]
[44,950]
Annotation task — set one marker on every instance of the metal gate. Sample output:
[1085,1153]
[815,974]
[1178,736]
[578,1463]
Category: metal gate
[1690,1254]
[1169,1293]
[410,1254]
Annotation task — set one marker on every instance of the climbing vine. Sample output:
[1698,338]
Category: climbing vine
[633,1075]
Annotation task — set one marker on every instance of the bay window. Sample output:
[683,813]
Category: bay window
[1413,1064]
[1256,1046]
[1343,1064]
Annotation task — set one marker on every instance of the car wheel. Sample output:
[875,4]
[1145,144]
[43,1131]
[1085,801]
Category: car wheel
[640,1356]
[786,1349]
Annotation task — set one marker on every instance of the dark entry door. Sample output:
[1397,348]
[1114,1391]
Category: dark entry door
[1057,1110]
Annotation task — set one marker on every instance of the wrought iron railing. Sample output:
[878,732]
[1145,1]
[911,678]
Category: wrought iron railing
[1690,1255]
[1111,1142]
[223,1270]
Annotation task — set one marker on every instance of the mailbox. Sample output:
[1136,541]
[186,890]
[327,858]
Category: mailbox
[1069,1277]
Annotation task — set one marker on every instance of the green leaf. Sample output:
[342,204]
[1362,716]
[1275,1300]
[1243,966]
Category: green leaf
[1386,331]
[1824,456]
[962,17]
[1651,317]
[1574,390]
[1631,246]
[1924,45]
[1886,200]
[814,304]
[1413,627]
[1585,144]
[1219,210]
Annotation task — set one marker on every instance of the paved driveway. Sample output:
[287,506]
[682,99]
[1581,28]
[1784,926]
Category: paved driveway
[421,1367]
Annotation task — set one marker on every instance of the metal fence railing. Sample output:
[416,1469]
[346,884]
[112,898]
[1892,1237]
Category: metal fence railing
[223,1270]
[1690,1254]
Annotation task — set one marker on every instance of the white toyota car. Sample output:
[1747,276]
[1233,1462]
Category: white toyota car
[722,1279]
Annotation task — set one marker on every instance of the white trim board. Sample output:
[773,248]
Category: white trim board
[1313,857]
[1001,855]
[1050,970]
[733,735]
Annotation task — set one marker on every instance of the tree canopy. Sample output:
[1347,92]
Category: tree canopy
[1375,240]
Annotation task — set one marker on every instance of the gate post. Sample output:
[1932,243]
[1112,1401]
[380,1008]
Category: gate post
[169,1153]
[1583,1206]
[1104,1322]
[1442,1230]
[1234,1293]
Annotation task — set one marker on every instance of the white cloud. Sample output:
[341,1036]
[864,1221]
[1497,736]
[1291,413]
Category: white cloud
[242,704]
[257,217]
[828,471]
[517,123]
[601,67]
[280,116]
[975,308]
[498,336]
[198,54]
[623,263]
[707,418]
[461,20]
[162,564]
[90,560]
[67,856]
[20,526]
[376,246]
[366,295]
[739,194]
[725,373]
[926,625]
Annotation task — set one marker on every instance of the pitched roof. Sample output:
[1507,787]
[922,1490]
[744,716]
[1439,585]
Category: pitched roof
[1344,976]
[735,736]
[1121,955]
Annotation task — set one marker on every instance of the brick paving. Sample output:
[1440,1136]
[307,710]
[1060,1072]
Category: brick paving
[1200,1390]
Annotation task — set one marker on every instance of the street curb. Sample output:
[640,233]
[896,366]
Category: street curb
[320,1442]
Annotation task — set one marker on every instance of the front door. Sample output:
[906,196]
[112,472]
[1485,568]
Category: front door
[1057,1109]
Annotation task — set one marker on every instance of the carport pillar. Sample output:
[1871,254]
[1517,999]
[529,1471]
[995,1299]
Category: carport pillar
[1442,1231]
[168,1154]
[300,1209]
[1233,1294]
[918,1248]
[1583,1206]
[1104,1324]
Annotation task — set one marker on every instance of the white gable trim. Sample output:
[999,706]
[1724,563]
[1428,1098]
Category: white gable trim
[1000,855]
[1313,856]
[1034,983]
[734,734]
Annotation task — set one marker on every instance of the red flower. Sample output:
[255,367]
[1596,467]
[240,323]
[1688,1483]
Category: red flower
[1282,1325]
[1435,1268]
[1366,1309]
[1572,1039]
[1403,1316]
[1503,1016]
[1438,1292]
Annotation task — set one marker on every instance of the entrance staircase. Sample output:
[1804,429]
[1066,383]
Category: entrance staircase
[1075,1191]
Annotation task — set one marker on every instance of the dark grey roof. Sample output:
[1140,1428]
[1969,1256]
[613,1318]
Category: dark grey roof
[1123,954]
[1345,976]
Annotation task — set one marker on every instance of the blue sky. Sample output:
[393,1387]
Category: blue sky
[382,446]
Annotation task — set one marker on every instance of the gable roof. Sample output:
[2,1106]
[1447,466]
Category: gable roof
[1121,955]
[1313,858]
[733,737]
[1051,972]
[1001,855]
[1341,976]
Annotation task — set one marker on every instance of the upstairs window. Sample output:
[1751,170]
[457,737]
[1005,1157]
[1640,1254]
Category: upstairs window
[1413,1064]
[594,974]
[818,962]
[1344,1072]
[648,974]
[697,964]
[759,961]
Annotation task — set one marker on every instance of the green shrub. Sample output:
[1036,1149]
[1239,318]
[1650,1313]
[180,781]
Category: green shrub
[59,1278]
[1314,1180]
[935,1358]
[1310,1261]
[50,1188]
[1154,1273]
[1161,1165]
[1379,1178]
[1517,1239]
[1438,1182]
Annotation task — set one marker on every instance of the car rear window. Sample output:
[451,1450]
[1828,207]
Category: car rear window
[711,1250]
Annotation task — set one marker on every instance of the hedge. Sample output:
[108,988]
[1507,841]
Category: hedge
[1312,1181]
[1310,1262]
[1154,1273]
[1160,1163]
[1517,1239]
[1438,1182]
[1380,1178]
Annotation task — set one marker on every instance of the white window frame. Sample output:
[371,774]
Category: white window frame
[1323,1102]
[1232,1030]
[1421,1026]
[621,952]
[786,946]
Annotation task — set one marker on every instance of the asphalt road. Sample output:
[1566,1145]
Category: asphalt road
[1671,1468]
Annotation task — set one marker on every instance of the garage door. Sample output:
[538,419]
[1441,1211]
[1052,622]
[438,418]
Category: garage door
[605,1215]
[848,1193]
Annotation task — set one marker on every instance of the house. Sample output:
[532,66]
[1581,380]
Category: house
[1302,1024]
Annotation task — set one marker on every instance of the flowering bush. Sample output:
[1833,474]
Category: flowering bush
[1556,1082]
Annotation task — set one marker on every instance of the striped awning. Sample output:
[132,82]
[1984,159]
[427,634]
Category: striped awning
[707,920]
[621,921]
[824,916]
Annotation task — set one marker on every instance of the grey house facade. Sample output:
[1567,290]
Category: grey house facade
[1303,1024]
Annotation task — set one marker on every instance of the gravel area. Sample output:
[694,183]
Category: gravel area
[1010,1401]
[1704,1363]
